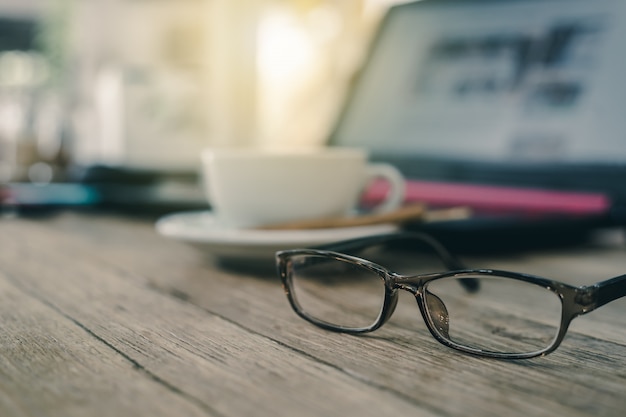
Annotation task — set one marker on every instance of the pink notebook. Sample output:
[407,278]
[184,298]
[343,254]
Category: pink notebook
[485,199]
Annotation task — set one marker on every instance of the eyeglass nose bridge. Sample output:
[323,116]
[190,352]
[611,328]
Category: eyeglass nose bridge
[393,283]
[437,315]
[432,308]
[389,308]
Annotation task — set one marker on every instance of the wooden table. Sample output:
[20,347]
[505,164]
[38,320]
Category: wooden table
[102,316]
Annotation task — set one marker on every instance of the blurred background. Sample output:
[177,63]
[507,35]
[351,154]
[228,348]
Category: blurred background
[109,102]
[129,91]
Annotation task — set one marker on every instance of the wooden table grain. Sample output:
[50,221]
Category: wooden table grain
[101,316]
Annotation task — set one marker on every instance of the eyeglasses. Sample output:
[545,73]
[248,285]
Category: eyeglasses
[484,312]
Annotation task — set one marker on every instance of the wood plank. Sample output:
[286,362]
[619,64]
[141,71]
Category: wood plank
[583,377]
[51,365]
[224,367]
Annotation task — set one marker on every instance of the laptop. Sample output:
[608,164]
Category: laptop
[513,108]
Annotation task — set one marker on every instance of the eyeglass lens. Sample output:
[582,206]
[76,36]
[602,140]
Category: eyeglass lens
[505,316]
[336,292]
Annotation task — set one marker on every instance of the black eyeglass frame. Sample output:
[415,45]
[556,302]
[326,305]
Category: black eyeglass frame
[575,300]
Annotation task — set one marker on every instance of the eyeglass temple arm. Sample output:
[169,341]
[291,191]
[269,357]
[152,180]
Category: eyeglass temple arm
[449,260]
[610,290]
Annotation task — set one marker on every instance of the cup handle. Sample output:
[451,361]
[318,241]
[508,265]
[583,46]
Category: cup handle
[397,185]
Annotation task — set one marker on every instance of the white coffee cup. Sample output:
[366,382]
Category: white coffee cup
[253,187]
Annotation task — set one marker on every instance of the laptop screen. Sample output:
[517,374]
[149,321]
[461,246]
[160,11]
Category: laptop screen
[508,92]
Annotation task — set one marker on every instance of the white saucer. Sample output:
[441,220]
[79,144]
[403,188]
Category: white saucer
[203,230]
